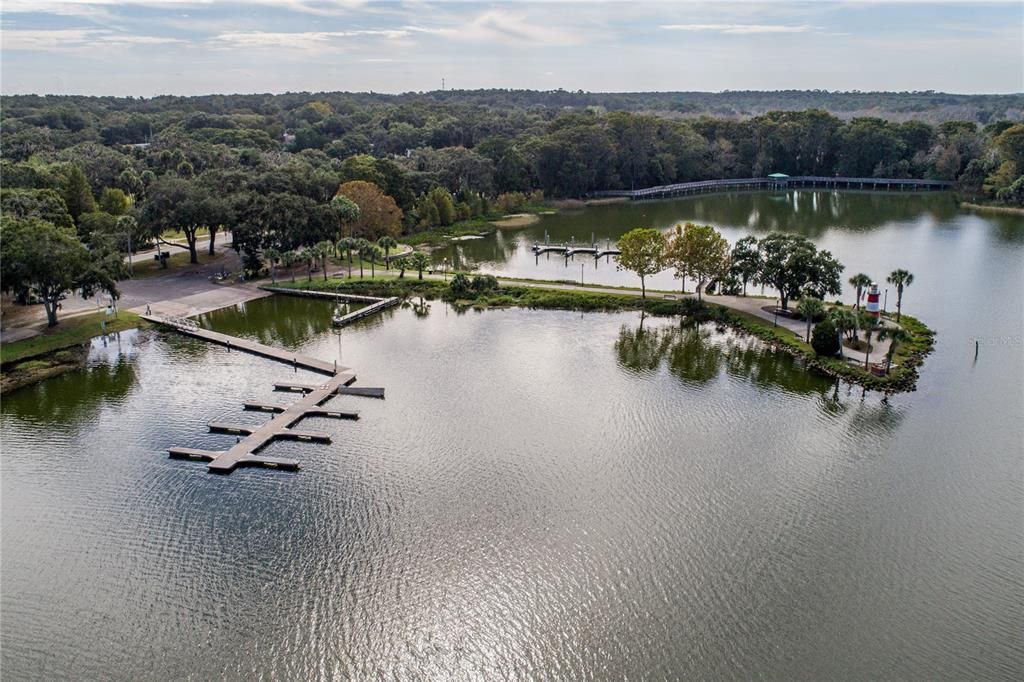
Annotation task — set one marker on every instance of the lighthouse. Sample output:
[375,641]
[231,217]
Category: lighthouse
[872,306]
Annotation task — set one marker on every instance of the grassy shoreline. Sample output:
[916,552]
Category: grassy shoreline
[992,208]
[903,377]
[57,349]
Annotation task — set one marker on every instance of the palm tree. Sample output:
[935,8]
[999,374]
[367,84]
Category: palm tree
[371,251]
[810,308]
[360,248]
[272,256]
[402,264]
[347,244]
[860,281]
[896,335]
[290,258]
[308,256]
[902,279]
[845,321]
[324,249]
[387,242]
[420,261]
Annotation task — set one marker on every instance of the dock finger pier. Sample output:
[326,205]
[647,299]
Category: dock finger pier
[285,422]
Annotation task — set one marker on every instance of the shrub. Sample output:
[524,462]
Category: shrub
[691,307]
[510,202]
[825,338]
[483,284]
[460,286]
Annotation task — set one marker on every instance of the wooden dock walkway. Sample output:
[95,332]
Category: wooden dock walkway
[375,303]
[254,437]
[570,250]
[280,427]
[296,360]
[818,181]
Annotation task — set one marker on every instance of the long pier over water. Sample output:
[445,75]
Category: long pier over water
[819,181]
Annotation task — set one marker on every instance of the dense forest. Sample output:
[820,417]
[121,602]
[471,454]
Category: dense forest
[269,168]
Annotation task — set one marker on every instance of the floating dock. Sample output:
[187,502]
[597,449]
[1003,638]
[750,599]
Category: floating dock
[254,437]
[280,427]
[571,250]
[374,305]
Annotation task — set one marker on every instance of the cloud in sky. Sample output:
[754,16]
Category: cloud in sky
[314,41]
[146,47]
[738,29]
[76,38]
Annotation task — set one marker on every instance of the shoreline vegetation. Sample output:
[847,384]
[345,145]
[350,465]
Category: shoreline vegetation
[63,348]
[57,350]
[902,378]
[991,208]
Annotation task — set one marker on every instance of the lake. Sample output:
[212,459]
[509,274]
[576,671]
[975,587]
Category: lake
[543,494]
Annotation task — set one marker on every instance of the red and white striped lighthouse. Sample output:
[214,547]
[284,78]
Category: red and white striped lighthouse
[872,306]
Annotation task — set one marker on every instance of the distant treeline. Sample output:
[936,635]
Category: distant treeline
[265,166]
[927,105]
[84,177]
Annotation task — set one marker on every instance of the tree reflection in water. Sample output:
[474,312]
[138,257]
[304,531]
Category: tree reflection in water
[698,353]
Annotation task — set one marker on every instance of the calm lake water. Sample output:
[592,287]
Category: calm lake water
[543,494]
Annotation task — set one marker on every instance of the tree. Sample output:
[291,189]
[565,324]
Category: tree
[95,222]
[378,212]
[173,203]
[902,279]
[810,307]
[860,281]
[348,244]
[290,258]
[114,201]
[896,336]
[642,251]
[128,231]
[272,256]
[324,250]
[360,246]
[402,264]
[74,189]
[45,204]
[346,211]
[36,256]
[825,339]
[746,260]
[386,243]
[371,251]
[420,261]
[460,286]
[700,252]
[308,256]
[845,321]
[1010,144]
[437,207]
[794,266]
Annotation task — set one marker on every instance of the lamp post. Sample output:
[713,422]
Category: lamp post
[581,274]
[775,310]
[444,269]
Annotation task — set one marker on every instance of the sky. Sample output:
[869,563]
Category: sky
[189,47]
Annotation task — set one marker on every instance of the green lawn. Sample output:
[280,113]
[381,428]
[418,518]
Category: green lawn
[178,260]
[71,331]
[171,235]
